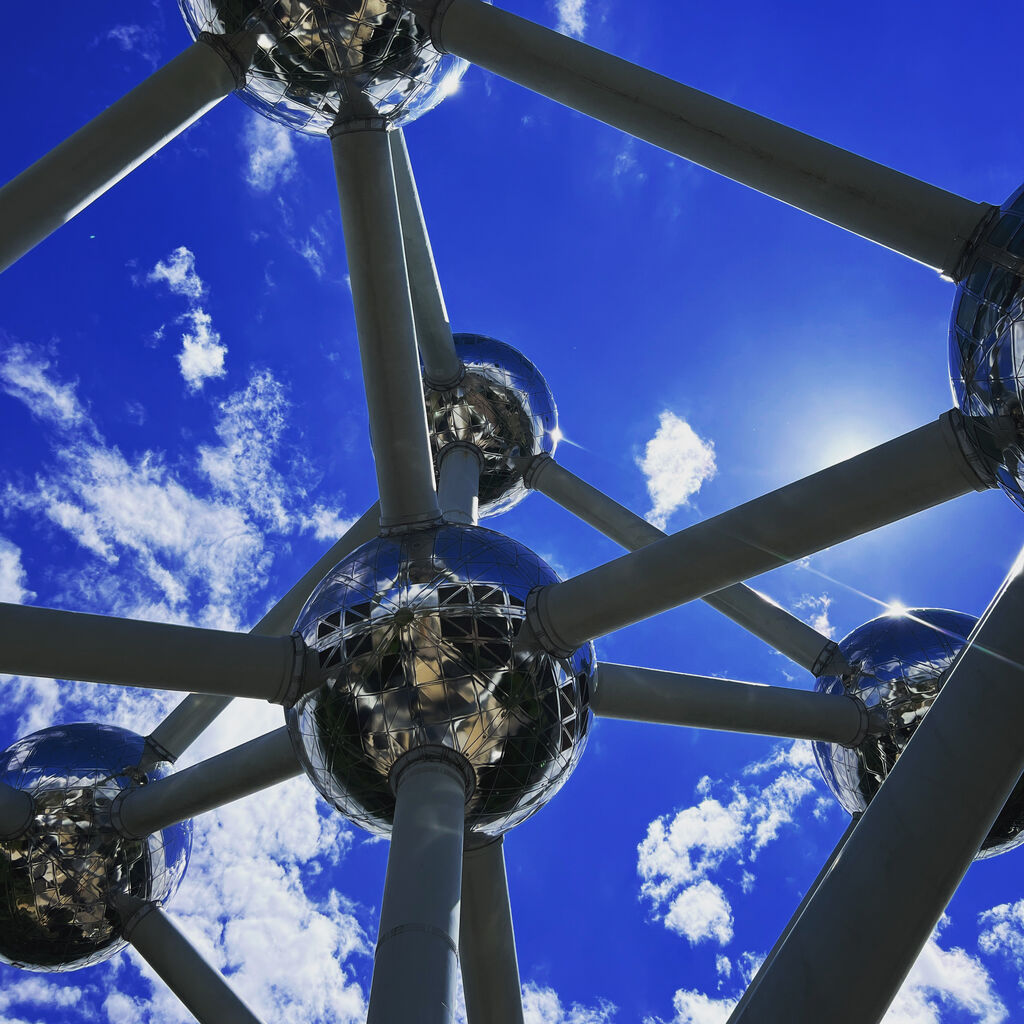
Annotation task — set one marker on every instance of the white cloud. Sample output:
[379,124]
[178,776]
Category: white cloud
[327,523]
[23,374]
[680,852]
[696,1008]
[815,612]
[542,1006]
[138,39]
[1003,933]
[202,353]
[270,153]
[12,574]
[701,912]
[572,17]
[178,272]
[676,462]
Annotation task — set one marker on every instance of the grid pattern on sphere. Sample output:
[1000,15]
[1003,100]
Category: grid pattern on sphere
[503,406]
[986,346]
[415,639]
[320,60]
[899,664]
[61,880]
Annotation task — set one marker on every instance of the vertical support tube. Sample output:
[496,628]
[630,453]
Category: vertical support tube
[487,943]
[442,366]
[384,323]
[204,992]
[782,630]
[79,170]
[893,209]
[416,963]
[913,472]
[460,464]
[16,811]
[959,768]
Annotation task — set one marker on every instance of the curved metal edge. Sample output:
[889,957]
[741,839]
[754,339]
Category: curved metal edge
[294,679]
[437,755]
[975,466]
[236,50]
[22,828]
[538,624]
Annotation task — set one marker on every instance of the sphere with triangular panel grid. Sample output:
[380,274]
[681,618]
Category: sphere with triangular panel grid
[415,635]
[66,876]
[321,61]
[900,662]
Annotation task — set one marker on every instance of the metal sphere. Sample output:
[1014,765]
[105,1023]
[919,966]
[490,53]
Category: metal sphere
[319,61]
[899,665]
[415,636]
[62,879]
[503,406]
[986,347]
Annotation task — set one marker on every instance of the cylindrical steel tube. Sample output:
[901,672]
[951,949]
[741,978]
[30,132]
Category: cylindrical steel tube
[458,484]
[706,702]
[79,170]
[129,652]
[955,774]
[416,964]
[487,944]
[441,365]
[918,220]
[245,769]
[16,811]
[753,611]
[204,992]
[384,323]
[913,472]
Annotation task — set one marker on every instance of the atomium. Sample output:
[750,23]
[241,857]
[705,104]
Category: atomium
[321,61]
[900,662]
[986,347]
[64,880]
[415,636]
[503,406]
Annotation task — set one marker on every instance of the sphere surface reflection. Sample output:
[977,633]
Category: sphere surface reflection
[318,61]
[415,638]
[986,347]
[502,405]
[61,880]
[899,665]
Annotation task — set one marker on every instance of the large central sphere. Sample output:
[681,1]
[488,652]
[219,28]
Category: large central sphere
[502,405]
[986,347]
[62,880]
[415,636]
[318,61]
[899,665]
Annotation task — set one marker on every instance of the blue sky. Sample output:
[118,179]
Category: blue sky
[661,302]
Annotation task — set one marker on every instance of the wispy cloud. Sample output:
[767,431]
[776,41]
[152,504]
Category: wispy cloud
[814,611]
[1002,934]
[572,17]
[24,375]
[270,153]
[542,1006]
[12,574]
[676,462]
[202,354]
[143,41]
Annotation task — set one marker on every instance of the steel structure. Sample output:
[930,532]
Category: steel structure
[439,680]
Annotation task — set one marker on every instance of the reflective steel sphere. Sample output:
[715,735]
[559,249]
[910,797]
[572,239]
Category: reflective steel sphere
[899,665]
[503,406]
[318,61]
[986,347]
[415,638]
[61,880]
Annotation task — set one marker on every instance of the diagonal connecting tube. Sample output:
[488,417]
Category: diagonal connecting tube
[384,323]
[753,611]
[65,181]
[909,216]
[958,770]
[903,476]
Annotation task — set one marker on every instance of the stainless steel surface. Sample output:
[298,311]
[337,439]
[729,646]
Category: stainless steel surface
[503,406]
[318,61]
[62,880]
[458,482]
[708,702]
[986,347]
[900,663]
[912,217]
[912,472]
[415,635]
[487,944]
